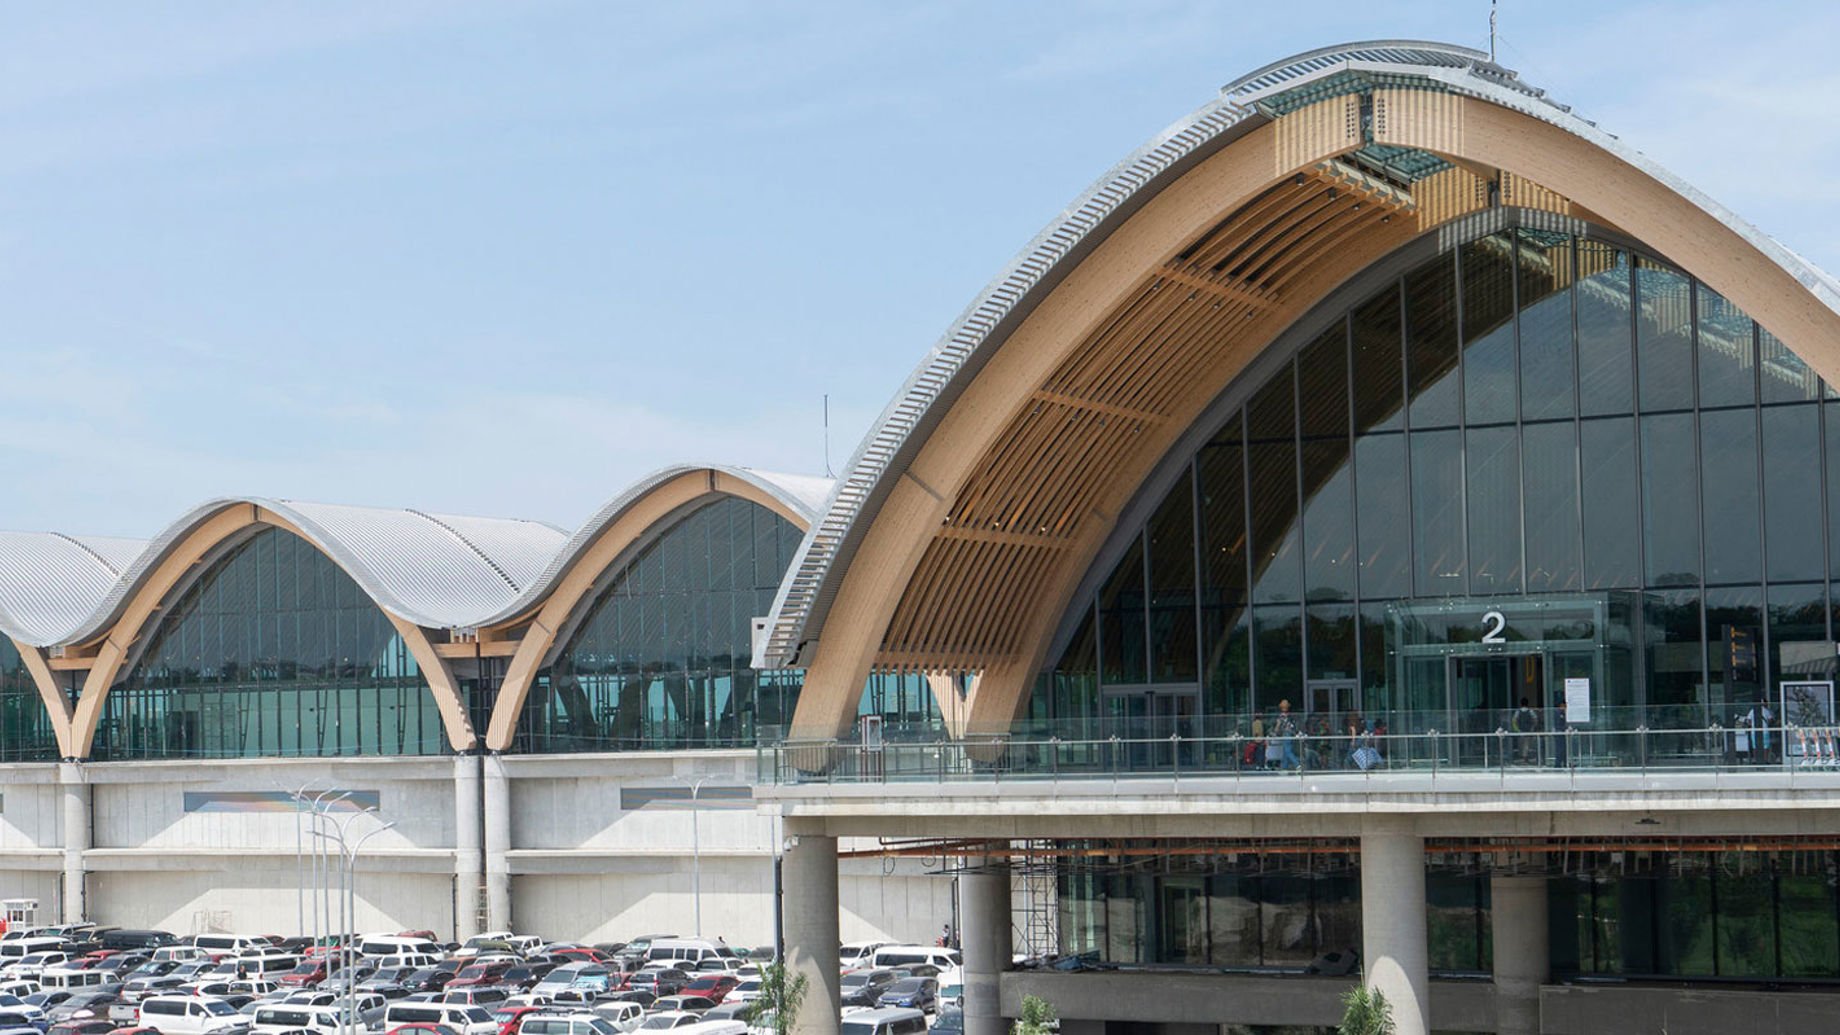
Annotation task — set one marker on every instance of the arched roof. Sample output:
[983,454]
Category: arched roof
[626,524]
[51,582]
[799,498]
[433,570]
[1002,459]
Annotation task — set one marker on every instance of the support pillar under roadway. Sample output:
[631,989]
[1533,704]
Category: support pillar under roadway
[76,794]
[497,792]
[466,847]
[1522,957]
[985,936]
[1395,958]
[809,871]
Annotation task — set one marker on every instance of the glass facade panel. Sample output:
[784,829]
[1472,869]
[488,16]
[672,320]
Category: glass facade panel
[272,650]
[1791,491]
[1727,352]
[1670,501]
[25,726]
[1431,343]
[1728,485]
[659,658]
[1171,544]
[1489,363]
[1783,375]
[1547,380]
[1531,504]
[1605,322]
[1664,337]
[1492,456]
[1437,513]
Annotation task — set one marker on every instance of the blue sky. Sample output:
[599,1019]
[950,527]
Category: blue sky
[504,258]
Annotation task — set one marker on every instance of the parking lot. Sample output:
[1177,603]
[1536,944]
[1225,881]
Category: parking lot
[83,979]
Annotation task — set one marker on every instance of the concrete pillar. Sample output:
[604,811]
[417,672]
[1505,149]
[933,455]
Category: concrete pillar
[76,839]
[1394,956]
[1522,957]
[497,843]
[809,875]
[466,846]
[984,910]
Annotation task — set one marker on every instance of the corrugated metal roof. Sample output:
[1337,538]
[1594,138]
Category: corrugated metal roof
[50,582]
[436,570]
[804,495]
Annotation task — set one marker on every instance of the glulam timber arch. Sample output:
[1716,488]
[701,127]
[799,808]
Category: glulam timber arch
[607,542]
[970,516]
[144,600]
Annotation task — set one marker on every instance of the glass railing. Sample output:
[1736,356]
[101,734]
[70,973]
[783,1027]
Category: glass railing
[1210,748]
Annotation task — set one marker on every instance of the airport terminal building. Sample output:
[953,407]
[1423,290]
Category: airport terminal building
[1385,526]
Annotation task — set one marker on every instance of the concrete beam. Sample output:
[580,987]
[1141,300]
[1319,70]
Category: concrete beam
[1253,1000]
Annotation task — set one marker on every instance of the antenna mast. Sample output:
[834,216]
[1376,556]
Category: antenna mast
[827,436]
[1493,5]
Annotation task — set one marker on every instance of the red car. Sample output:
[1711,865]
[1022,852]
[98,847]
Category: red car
[422,1029]
[581,952]
[307,973]
[712,986]
[481,974]
[512,1017]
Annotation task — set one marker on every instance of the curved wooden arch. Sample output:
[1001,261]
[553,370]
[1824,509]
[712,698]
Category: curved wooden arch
[608,548]
[57,706]
[980,544]
[195,548]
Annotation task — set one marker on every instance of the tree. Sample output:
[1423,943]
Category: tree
[1367,1012]
[781,995]
[1037,1017]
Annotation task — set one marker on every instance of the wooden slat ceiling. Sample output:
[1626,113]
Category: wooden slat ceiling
[1120,400]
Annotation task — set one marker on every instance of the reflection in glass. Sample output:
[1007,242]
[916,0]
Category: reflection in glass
[1670,501]
[1431,342]
[1798,646]
[1728,456]
[1550,470]
[1493,490]
[1172,586]
[660,657]
[1675,661]
[274,650]
[1785,377]
[1121,620]
[25,726]
[1378,373]
[1328,521]
[1382,516]
[1322,385]
[1734,650]
[1544,262]
[1604,325]
[1791,504]
[1664,337]
[1727,352]
[1437,512]
[1489,369]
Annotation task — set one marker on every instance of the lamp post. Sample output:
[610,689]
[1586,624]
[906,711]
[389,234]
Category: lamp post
[348,902]
[696,853]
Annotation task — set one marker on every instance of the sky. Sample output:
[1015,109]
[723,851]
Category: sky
[505,258]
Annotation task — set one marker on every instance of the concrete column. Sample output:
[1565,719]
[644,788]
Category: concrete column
[1394,956]
[984,911]
[497,844]
[809,876]
[466,846]
[76,839]
[1522,957]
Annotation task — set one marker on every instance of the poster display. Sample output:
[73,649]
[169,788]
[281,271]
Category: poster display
[1808,720]
[1577,699]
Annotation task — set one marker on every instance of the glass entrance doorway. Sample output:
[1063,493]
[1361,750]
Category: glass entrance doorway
[1329,703]
[1152,718]
[1485,690]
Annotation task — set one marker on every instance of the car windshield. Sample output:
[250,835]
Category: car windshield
[219,1008]
[852,980]
[658,1022]
[907,987]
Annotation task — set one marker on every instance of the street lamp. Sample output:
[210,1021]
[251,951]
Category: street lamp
[348,900]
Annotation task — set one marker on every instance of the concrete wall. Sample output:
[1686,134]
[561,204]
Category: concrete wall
[1624,1010]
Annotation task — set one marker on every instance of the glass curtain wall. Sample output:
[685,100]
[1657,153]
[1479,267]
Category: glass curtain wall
[272,651]
[25,727]
[1738,915]
[1532,457]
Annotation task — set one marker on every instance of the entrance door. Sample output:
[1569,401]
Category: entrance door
[1331,700]
[1148,717]
[1484,692]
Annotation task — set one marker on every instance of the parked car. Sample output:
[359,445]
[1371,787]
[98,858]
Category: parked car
[864,987]
[667,1020]
[190,1015]
[695,1004]
[480,974]
[84,1006]
[713,987]
[624,1016]
[914,993]
[658,980]
[428,979]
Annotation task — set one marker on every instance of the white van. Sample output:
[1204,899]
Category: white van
[270,1020]
[686,950]
[188,1015]
[566,1024]
[20,948]
[908,955]
[177,953]
[396,945]
[415,960]
[884,1022]
[231,945]
[858,954]
[56,980]
[267,964]
[466,1020]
